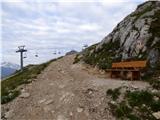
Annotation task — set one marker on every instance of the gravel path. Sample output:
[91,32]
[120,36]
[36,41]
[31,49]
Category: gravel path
[64,91]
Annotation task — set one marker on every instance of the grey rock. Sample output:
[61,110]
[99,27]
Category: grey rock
[156,115]
[41,101]
[49,102]
[113,102]
[24,95]
[8,114]
[133,33]
[79,109]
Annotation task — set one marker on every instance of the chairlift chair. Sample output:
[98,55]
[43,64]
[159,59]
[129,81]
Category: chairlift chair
[25,55]
[36,55]
[55,53]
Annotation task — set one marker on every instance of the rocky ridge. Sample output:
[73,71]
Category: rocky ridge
[137,37]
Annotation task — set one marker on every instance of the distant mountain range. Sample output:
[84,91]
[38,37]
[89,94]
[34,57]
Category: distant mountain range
[8,68]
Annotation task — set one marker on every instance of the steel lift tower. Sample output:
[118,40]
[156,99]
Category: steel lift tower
[21,50]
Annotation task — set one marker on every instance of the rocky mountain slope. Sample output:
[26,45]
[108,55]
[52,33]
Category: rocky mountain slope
[137,37]
[63,91]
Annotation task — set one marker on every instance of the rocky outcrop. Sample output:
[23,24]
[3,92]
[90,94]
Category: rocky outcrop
[137,37]
[71,52]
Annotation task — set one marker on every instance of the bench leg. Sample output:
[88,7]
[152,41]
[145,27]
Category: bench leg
[131,76]
[111,74]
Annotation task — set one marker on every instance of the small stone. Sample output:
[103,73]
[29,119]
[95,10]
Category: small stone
[41,101]
[8,114]
[10,94]
[23,90]
[71,114]
[51,84]
[61,117]
[52,111]
[79,109]
[62,72]
[89,91]
[49,102]
[143,105]
[134,87]
[24,95]
[155,98]
[157,115]
[113,102]
[47,109]
[154,91]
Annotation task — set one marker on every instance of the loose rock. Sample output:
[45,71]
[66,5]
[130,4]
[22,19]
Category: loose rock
[8,114]
[41,101]
[24,95]
[49,102]
[79,109]
[157,115]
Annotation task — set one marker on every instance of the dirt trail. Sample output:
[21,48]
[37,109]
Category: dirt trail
[64,91]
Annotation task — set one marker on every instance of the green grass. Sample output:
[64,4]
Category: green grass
[135,105]
[114,93]
[76,59]
[137,98]
[155,84]
[9,85]
[122,110]
[104,56]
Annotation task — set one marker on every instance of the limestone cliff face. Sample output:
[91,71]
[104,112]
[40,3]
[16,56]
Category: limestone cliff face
[137,37]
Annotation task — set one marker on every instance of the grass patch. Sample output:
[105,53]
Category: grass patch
[155,84]
[104,56]
[76,59]
[122,110]
[135,105]
[114,93]
[9,85]
[137,98]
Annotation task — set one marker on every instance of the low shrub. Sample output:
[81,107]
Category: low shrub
[76,59]
[122,110]
[114,93]
[137,98]
[155,84]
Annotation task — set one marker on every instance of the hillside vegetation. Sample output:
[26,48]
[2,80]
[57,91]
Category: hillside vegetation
[9,86]
[136,37]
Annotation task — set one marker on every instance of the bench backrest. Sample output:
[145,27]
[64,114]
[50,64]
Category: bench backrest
[130,64]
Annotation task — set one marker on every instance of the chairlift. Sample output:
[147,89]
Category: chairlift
[36,55]
[54,53]
[25,55]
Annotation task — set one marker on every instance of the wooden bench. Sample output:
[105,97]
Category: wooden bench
[127,70]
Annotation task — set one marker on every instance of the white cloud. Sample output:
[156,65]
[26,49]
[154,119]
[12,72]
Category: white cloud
[47,26]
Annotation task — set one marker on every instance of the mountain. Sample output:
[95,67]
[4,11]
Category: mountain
[8,69]
[136,37]
[71,52]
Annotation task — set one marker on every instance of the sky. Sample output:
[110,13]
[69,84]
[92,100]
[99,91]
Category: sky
[49,26]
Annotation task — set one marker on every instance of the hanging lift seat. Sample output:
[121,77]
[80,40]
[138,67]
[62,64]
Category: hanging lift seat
[127,70]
